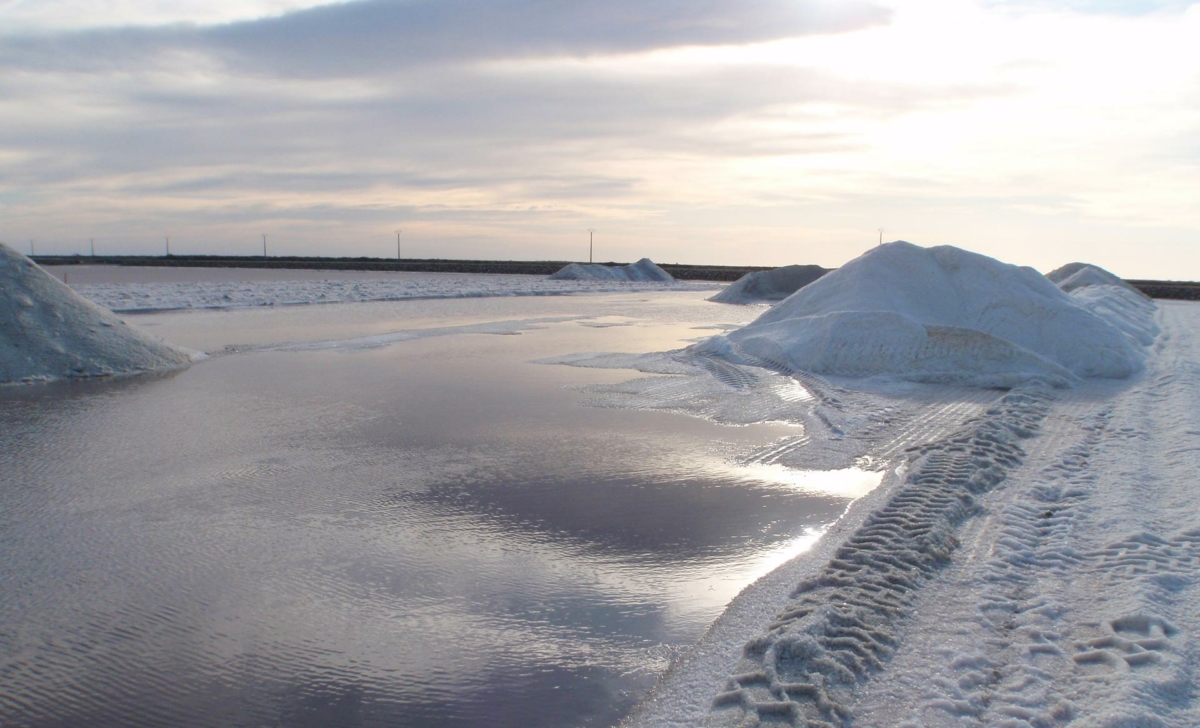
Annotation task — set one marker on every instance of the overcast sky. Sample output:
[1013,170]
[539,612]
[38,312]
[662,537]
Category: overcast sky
[761,132]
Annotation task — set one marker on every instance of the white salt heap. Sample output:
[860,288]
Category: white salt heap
[1077,275]
[47,331]
[1110,298]
[941,315]
[643,270]
[769,286]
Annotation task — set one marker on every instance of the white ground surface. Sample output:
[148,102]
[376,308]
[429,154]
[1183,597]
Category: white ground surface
[338,287]
[1064,531]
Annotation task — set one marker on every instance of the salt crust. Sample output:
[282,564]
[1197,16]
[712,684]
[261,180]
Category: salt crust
[840,625]
[167,296]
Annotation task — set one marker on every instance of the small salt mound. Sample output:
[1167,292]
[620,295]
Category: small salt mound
[935,315]
[643,270]
[769,286]
[47,331]
[1110,298]
[1077,275]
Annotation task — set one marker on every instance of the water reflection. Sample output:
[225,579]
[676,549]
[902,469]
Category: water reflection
[845,483]
[427,534]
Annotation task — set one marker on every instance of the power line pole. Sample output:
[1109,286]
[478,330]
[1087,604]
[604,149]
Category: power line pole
[264,245]
[881,236]
[93,247]
[591,232]
[168,237]
[398,244]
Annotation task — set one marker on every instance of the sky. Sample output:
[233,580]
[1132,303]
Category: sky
[756,132]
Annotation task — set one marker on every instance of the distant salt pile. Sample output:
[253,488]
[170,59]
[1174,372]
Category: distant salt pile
[769,286]
[47,331]
[1078,275]
[933,315]
[1110,298]
[643,270]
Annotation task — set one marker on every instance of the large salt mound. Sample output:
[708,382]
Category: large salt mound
[936,315]
[47,331]
[643,270]
[769,286]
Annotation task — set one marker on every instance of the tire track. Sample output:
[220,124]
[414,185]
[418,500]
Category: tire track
[842,625]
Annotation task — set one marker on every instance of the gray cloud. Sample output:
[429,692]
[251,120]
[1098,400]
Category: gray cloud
[456,127]
[373,37]
[119,102]
[380,33]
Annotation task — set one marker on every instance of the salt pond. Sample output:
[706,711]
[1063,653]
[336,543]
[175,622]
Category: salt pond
[432,531]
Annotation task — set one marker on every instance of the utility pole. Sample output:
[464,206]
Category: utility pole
[591,232]
[168,237]
[93,247]
[881,236]
[264,245]
[398,244]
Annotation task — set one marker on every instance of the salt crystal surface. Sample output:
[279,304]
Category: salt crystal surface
[934,315]
[1110,298]
[47,331]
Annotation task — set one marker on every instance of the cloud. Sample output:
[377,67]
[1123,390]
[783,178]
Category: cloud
[373,37]
[464,126]
[470,93]
[139,128]
[52,15]
[381,33]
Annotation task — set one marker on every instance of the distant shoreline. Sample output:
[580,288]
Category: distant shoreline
[424,265]
[1176,290]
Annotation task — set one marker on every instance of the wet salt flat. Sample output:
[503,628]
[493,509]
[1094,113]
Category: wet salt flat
[170,288]
[401,530]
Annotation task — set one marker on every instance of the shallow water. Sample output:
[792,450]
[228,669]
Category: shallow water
[431,532]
